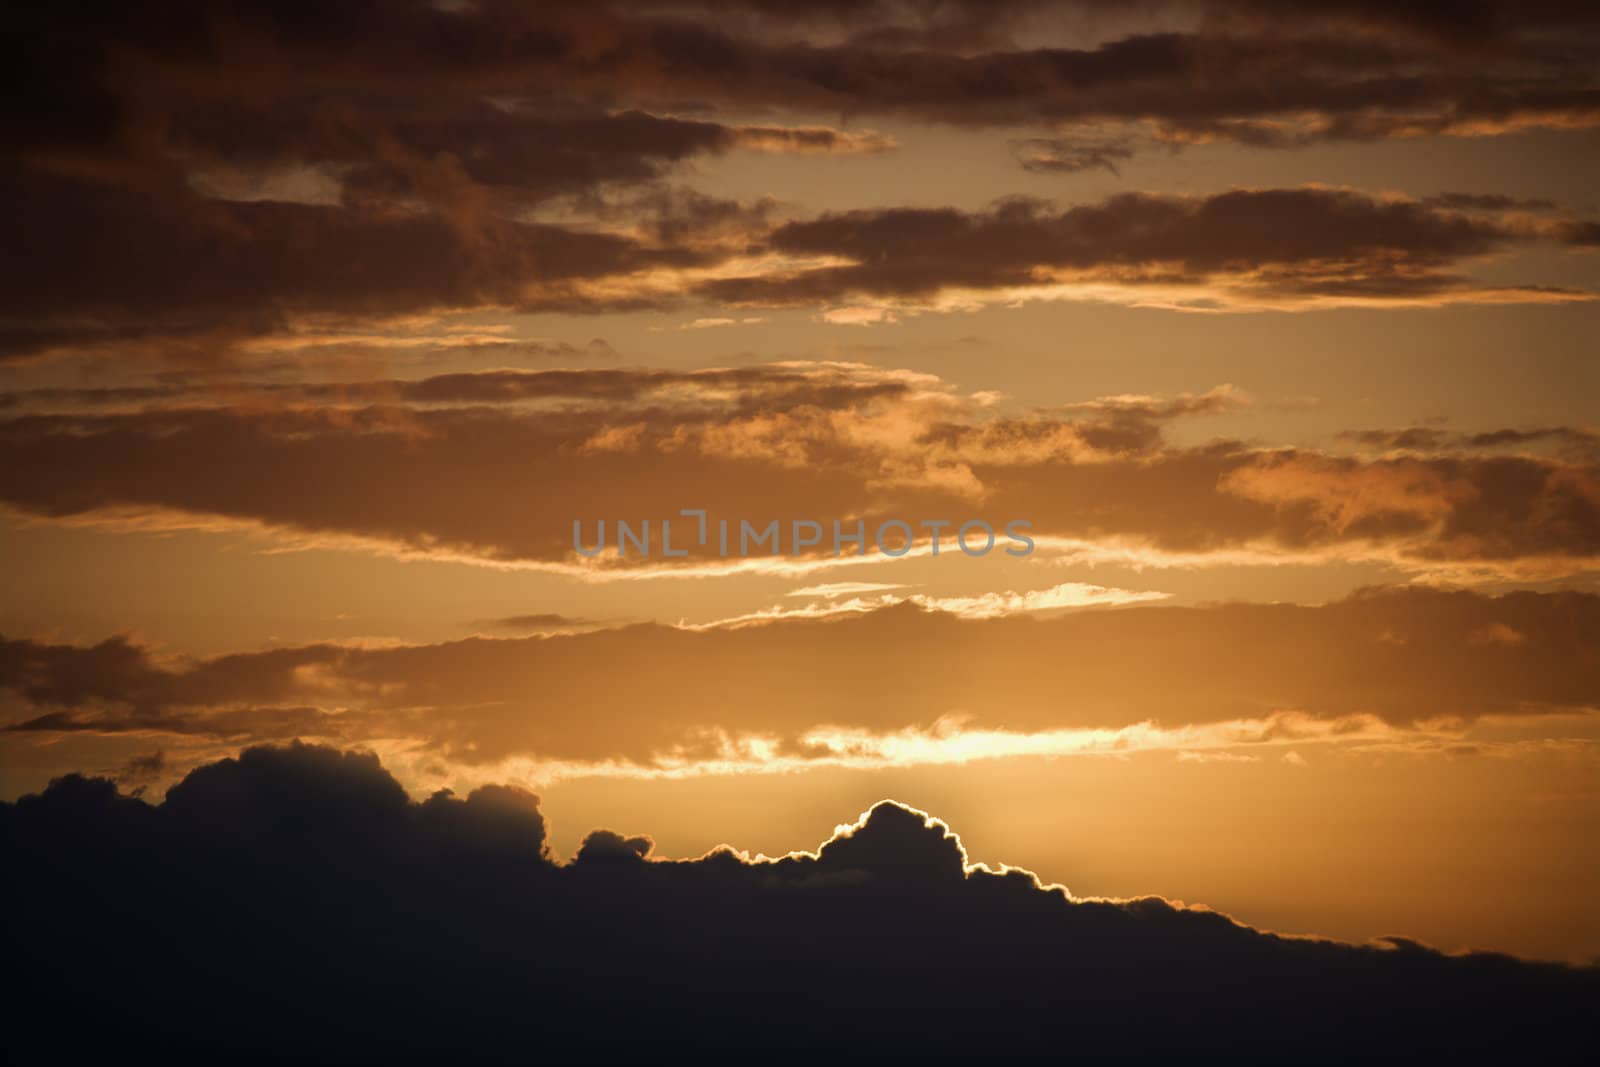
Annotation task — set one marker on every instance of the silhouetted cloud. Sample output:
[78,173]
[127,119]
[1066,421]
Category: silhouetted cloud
[297,904]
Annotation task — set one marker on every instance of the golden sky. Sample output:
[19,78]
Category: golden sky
[1280,333]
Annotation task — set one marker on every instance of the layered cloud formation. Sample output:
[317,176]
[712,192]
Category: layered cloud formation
[327,331]
[1224,69]
[228,174]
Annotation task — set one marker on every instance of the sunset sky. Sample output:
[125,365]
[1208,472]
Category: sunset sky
[323,324]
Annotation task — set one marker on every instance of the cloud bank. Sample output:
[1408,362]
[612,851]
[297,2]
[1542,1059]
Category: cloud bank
[1412,669]
[222,175]
[295,902]
[495,467]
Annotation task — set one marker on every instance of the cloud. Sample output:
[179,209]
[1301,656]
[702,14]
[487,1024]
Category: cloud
[1570,442]
[859,316]
[1390,666]
[451,150]
[991,605]
[219,272]
[191,191]
[606,846]
[838,589]
[811,139]
[1487,202]
[1191,756]
[713,323]
[149,766]
[1065,155]
[495,466]
[1246,248]
[538,623]
[287,885]
[1340,69]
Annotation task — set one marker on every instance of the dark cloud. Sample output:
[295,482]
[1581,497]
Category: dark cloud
[144,768]
[1582,234]
[607,846]
[1487,202]
[538,622]
[1570,441]
[1263,243]
[91,264]
[1413,438]
[1407,658]
[293,903]
[452,150]
[1362,70]
[218,172]
[1064,155]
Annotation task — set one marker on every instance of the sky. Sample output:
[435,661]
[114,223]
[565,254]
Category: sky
[330,334]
